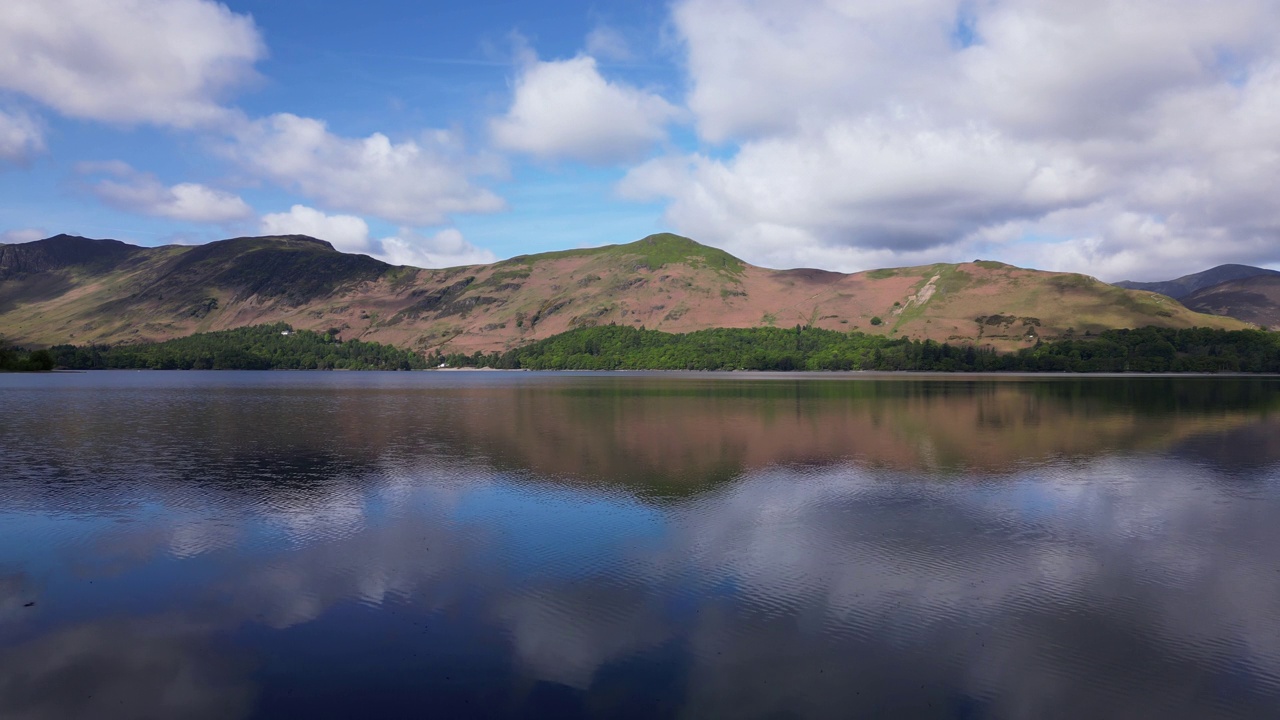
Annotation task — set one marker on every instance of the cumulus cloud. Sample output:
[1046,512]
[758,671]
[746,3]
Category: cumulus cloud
[21,136]
[348,233]
[167,62]
[174,62]
[1111,241]
[861,185]
[1073,138]
[763,67]
[447,248]
[567,109]
[415,182]
[142,193]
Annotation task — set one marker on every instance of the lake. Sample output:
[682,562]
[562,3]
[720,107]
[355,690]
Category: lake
[513,545]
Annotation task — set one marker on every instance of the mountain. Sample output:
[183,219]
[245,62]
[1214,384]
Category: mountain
[61,252]
[1187,284]
[1255,299]
[76,290]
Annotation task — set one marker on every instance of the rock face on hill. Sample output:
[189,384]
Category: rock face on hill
[1255,300]
[1188,284]
[77,290]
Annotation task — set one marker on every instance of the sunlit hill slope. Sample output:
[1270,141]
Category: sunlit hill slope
[75,290]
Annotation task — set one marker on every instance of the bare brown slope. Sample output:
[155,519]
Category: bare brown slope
[661,282]
[1255,300]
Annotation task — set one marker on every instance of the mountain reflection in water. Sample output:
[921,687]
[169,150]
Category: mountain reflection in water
[576,545]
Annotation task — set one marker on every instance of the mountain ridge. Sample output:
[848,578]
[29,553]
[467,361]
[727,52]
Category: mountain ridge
[1181,287]
[18,259]
[1253,299]
[76,290]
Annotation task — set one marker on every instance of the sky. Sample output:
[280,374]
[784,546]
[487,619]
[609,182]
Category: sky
[1126,139]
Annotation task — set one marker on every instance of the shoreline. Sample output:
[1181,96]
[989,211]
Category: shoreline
[778,374]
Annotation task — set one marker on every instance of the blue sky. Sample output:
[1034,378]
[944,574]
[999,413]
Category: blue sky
[1124,139]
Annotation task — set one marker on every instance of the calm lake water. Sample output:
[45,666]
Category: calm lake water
[309,545]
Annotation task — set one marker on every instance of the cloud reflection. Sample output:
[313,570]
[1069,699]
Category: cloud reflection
[158,667]
[1127,575]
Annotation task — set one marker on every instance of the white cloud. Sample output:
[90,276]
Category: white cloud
[861,184]
[1128,137]
[22,235]
[415,182]
[1106,240]
[168,62]
[606,43]
[349,233]
[142,193]
[1096,67]
[567,109]
[20,136]
[447,248]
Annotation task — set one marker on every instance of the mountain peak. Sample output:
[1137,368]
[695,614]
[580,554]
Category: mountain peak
[61,251]
[652,252]
[65,240]
[1179,288]
[667,240]
[304,241]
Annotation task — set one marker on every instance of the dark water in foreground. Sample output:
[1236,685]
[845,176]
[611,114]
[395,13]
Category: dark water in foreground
[226,545]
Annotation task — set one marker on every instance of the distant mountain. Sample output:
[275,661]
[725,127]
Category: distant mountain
[1187,284]
[61,252]
[76,290]
[1255,299]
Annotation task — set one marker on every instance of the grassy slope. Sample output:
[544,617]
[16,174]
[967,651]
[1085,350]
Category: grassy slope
[661,282]
[650,253]
[1020,305]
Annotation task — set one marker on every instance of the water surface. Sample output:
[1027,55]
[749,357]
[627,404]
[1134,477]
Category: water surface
[243,545]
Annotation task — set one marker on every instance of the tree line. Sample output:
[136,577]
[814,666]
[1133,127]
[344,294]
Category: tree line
[14,359]
[1149,349]
[257,347]
[614,347]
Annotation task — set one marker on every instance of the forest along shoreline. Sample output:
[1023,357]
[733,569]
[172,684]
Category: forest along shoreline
[279,347]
